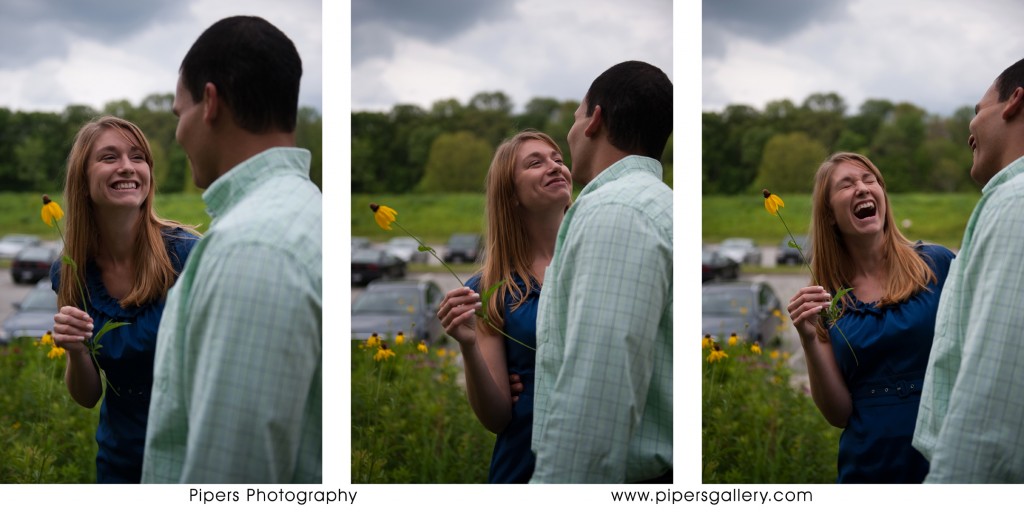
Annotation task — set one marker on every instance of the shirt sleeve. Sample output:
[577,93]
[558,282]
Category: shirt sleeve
[981,439]
[255,329]
[618,277]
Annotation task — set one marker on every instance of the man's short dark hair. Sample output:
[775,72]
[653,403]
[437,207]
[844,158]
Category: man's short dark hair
[255,68]
[1011,78]
[636,106]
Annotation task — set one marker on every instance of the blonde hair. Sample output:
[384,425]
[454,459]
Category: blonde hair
[154,274]
[508,247]
[906,272]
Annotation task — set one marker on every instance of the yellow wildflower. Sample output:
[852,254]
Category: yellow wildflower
[733,339]
[441,352]
[47,339]
[774,354]
[55,352]
[716,354]
[772,203]
[51,212]
[755,348]
[706,341]
[383,215]
[422,347]
[373,341]
[399,339]
[383,353]
[744,310]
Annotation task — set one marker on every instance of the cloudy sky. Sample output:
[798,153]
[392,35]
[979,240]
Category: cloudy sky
[59,52]
[937,54]
[407,51]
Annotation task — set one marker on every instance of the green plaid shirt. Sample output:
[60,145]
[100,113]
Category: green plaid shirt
[970,424]
[603,405]
[236,388]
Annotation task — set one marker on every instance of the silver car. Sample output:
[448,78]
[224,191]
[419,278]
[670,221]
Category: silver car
[387,307]
[32,316]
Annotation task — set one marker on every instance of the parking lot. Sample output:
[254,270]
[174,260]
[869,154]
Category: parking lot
[10,292]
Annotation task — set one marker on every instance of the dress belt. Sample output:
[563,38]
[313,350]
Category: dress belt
[900,386]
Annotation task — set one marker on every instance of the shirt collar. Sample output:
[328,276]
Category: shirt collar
[227,190]
[1004,175]
[624,166]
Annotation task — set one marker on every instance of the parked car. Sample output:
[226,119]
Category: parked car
[370,264]
[387,307]
[32,316]
[743,251]
[406,248]
[33,263]
[790,255]
[463,247]
[11,244]
[717,267]
[360,243]
[752,310]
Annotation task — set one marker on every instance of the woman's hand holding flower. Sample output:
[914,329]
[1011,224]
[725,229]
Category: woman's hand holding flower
[71,328]
[804,309]
[456,313]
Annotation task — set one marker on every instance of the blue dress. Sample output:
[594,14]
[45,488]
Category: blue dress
[892,344]
[512,460]
[127,359]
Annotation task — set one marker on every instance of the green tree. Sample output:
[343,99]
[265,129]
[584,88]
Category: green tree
[789,163]
[458,163]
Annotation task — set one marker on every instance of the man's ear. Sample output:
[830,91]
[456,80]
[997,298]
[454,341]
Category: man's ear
[1014,104]
[595,123]
[211,103]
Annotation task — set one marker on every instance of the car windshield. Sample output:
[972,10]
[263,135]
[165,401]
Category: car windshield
[392,300]
[366,256]
[463,240]
[729,302]
[41,298]
[36,253]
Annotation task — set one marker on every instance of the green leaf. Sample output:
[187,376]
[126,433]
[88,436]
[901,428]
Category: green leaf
[107,326]
[423,248]
[486,297]
[793,244]
[68,260]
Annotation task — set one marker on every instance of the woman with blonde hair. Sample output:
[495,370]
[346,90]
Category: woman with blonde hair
[528,191]
[127,258]
[866,369]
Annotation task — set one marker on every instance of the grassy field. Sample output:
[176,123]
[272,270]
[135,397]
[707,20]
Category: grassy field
[938,218]
[431,217]
[20,212]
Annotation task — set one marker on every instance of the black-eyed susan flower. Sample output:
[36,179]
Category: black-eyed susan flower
[399,339]
[772,203]
[422,347]
[774,355]
[47,339]
[755,348]
[716,354]
[55,352]
[733,339]
[373,341]
[383,353]
[706,342]
[51,211]
[384,215]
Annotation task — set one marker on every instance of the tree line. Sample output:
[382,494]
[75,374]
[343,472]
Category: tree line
[34,145]
[448,147]
[780,147]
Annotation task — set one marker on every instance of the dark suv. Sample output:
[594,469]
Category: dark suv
[464,247]
[790,255]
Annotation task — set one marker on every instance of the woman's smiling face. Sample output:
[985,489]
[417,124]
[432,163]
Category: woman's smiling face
[118,171]
[857,200]
[541,177]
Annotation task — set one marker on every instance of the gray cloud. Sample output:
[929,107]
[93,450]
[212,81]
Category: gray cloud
[764,21]
[376,22]
[35,29]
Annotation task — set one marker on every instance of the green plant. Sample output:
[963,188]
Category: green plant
[757,427]
[411,422]
[45,437]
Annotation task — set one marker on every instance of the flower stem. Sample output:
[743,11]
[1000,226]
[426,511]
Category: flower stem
[439,259]
[815,280]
